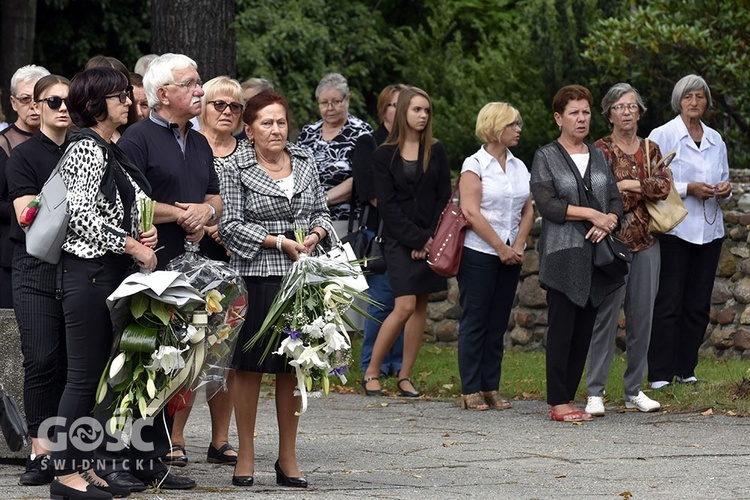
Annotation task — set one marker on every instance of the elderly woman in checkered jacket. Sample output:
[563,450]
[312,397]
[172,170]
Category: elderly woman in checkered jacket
[269,190]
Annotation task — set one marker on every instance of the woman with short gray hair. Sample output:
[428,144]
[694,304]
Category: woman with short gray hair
[690,252]
[332,141]
[626,154]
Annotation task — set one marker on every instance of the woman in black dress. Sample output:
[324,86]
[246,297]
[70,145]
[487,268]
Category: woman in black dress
[412,184]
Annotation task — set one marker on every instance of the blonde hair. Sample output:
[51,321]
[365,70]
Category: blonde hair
[493,118]
[217,86]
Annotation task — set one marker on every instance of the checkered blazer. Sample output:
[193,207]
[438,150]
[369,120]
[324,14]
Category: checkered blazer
[254,207]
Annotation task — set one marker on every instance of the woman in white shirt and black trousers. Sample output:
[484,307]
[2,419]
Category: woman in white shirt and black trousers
[495,198]
[690,252]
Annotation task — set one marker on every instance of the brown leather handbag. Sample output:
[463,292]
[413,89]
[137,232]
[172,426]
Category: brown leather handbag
[448,241]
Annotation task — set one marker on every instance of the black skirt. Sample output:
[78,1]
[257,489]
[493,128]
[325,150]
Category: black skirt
[260,295]
[409,276]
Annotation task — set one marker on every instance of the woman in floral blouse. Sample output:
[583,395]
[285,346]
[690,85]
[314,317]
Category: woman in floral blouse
[332,141]
[625,152]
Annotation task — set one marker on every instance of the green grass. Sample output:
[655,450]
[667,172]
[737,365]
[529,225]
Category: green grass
[727,386]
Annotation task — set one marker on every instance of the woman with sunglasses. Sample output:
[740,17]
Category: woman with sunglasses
[38,312]
[219,120]
[102,246]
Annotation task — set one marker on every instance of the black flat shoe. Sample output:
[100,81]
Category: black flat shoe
[407,394]
[59,491]
[38,471]
[175,460]
[370,392]
[111,488]
[283,480]
[124,479]
[220,456]
[167,481]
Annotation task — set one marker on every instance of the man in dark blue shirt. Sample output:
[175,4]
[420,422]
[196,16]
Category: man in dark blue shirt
[177,161]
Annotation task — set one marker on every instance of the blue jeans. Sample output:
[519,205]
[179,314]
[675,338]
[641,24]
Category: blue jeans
[380,291]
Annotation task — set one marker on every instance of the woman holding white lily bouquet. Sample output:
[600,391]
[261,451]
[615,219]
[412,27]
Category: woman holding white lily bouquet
[102,244]
[270,190]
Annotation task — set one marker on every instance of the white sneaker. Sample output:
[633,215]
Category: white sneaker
[595,406]
[688,380]
[641,402]
[658,384]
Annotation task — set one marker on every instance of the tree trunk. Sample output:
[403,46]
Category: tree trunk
[17,24]
[200,29]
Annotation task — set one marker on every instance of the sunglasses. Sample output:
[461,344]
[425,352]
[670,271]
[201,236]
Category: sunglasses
[220,106]
[122,96]
[54,102]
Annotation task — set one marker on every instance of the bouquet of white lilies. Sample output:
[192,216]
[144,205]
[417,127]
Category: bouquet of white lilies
[307,321]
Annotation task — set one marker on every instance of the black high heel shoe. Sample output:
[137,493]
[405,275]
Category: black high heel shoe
[244,481]
[115,491]
[283,480]
[407,394]
[371,392]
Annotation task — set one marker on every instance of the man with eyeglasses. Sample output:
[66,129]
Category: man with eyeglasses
[178,163]
[21,98]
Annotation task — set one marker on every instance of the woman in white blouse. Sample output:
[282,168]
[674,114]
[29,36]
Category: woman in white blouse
[690,252]
[495,198]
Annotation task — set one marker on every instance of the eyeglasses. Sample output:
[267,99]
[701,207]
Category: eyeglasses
[334,103]
[25,100]
[391,104]
[620,108]
[220,106]
[517,124]
[54,102]
[190,84]
[122,96]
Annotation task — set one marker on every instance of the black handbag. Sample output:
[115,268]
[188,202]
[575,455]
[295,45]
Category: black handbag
[375,255]
[357,239]
[611,256]
[12,423]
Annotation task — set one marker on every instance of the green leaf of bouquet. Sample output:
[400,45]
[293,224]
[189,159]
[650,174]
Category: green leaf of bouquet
[160,311]
[137,371]
[139,305]
[138,338]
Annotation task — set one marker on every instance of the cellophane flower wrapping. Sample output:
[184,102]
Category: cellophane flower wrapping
[307,322]
[226,307]
[171,336]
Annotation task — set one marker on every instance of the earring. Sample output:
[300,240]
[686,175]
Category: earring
[559,127]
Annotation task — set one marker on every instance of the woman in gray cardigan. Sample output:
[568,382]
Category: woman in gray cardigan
[577,196]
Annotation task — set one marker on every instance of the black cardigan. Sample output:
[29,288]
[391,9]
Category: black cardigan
[411,212]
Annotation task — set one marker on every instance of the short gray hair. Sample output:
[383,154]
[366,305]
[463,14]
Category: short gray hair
[614,94]
[28,73]
[142,63]
[333,81]
[161,72]
[687,84]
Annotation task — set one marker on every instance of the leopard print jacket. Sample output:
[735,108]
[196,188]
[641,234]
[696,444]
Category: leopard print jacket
[94,227]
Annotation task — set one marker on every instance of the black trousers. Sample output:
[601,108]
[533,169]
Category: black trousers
[487,289]
[86,283]
[6,288]
[682,307]
[568,339]
[39,315]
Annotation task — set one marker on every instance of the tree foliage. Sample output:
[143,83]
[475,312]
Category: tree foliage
[655,45]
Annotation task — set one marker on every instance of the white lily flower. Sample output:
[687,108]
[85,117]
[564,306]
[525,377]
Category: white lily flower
[309,359]
[291,347]
[336,342]
[168,359]
[116,365]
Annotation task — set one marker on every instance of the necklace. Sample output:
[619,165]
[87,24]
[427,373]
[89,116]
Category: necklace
[262,159]
[716,214]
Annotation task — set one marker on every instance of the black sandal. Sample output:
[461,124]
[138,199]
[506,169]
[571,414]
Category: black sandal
[175,461]
[214,456]
[371,392]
